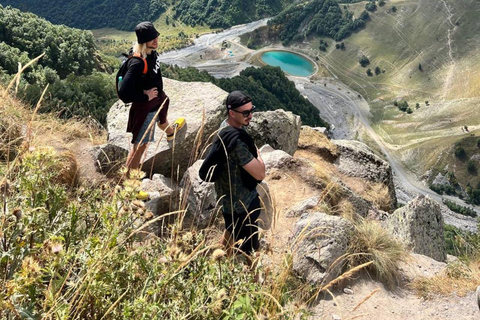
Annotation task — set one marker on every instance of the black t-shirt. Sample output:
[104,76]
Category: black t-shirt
[134,82]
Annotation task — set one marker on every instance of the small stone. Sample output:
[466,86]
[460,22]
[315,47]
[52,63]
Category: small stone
[336,317]
[348,291]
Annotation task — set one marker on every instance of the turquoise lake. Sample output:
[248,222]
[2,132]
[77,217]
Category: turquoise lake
[289,62]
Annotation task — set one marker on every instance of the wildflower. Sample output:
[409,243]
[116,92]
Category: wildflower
[17,212]
[218,254]
[148,215]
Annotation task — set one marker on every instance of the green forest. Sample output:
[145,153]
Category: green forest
[78,78]
[92,14]
[318,17]
[226,13]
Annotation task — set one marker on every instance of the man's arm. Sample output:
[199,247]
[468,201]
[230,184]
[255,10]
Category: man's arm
[256,167]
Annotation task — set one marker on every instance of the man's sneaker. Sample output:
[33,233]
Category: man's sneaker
[142,195]
[177,125]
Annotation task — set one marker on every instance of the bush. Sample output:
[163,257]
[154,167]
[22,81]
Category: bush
[371,242]
[371,6]
[460,152]
[471,167]
[364,61]
[369,72]
[466,211]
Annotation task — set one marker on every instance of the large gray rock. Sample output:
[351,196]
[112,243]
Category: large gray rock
[419,225]
[199,197]
[274,159]
[280,129]
[319,241]
[357,160]
[202,106]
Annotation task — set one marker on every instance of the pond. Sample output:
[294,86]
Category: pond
[289,62]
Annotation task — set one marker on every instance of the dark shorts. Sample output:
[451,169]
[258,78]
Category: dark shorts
[243,225]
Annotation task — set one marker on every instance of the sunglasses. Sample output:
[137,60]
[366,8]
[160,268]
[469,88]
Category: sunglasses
[245,113]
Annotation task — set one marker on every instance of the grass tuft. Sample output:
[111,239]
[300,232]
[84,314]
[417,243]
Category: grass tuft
[370,242]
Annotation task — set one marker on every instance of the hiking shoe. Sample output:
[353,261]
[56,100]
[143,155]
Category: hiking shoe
[177,125]
[142,195]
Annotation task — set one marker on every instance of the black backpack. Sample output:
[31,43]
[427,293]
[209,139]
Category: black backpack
[123,70]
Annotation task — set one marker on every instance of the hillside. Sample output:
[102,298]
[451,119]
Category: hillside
[226,13]
[92,14]
[80,245]
[425,53]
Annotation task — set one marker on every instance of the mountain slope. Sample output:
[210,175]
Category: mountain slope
[92,14]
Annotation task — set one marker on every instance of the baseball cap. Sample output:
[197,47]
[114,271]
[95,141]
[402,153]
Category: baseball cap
[237,99]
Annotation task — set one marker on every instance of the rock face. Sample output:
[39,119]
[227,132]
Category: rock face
[191,100]
[419,225]
[320,239]
[280,129]
[357,160]
[198,197]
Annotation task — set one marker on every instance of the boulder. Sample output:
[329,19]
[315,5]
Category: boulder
[319,240]
[198,197]
[419,225]
[204,110]
[280,129]
[358,160]
[274,159]
[300,208]
[163,194]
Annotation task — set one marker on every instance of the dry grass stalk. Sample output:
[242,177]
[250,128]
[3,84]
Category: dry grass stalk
[378,194]
[459,278]
[344,276]
[16,79]
[365,299]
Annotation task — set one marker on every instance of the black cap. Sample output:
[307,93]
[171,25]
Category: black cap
[145,32]
[237,99]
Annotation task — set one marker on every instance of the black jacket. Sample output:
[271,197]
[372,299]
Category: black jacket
[215,161]
[134,82]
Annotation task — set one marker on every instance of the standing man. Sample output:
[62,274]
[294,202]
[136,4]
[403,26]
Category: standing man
[235,165]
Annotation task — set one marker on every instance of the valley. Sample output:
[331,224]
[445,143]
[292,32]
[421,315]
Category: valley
[338,103]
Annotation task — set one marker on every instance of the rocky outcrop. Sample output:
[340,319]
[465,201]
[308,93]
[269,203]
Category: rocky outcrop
[419,225]
[202,106]
[357,160]
[198,197]
[319,241]
[280,129]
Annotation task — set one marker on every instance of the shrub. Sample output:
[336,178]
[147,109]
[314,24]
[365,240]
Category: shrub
[471,167]
[460,152]
[371,6]
[364,61]
[371,242]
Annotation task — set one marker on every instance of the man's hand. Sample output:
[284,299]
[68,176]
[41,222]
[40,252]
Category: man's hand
[151,93]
